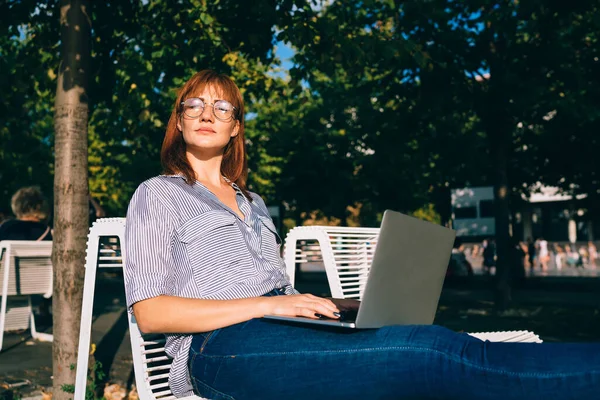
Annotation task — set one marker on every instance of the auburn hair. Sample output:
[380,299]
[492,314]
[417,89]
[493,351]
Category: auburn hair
[172,155]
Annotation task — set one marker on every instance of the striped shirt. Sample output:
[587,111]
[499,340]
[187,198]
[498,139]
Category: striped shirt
[181,240]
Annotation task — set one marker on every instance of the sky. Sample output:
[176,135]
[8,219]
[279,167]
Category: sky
[284,53]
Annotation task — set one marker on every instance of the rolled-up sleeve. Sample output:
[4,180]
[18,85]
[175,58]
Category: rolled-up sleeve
[148,231]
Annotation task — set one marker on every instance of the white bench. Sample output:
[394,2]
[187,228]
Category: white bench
[346,254]
[26,270]
[150,362]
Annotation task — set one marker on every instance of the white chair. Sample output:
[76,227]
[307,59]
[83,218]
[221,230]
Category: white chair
[150,362]
[346,254]
[26,269]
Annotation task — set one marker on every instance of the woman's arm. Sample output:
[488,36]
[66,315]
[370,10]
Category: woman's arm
[170,314]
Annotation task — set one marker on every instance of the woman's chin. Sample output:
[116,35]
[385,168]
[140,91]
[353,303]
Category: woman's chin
[202,150]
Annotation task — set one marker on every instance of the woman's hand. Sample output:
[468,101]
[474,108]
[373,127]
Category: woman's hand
[303,305]
[346,304]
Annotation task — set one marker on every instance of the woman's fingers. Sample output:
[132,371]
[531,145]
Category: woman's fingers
[325,302]
[304,305]
[311,308]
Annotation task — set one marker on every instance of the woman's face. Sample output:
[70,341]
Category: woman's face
[206,135]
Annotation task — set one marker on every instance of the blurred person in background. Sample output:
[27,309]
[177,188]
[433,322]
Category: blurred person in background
[583,255]
[573,259]
[32,212]
[592,254]
[489,255]
[559,256]
[531,253]
[459,265]
[543,253]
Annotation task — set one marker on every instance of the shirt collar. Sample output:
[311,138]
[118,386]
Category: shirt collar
[233,184]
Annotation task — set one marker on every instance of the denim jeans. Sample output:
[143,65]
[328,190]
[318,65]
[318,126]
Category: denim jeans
[267,359]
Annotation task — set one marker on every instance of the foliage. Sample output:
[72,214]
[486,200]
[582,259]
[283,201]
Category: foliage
[388,103]
[95,374]
[142,52]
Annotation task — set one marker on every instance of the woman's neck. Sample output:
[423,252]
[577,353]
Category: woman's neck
[207,170]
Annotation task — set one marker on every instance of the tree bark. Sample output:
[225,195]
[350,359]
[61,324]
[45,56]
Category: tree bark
[500,152]
[499,128]
[70,189]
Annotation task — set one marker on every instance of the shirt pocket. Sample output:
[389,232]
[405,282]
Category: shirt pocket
[270,241]
[216,251]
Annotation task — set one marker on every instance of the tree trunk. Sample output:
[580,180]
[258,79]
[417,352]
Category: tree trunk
[500,128]
[504,250]
[70,189]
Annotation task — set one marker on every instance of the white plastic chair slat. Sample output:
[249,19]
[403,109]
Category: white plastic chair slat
[345,256]
[353,269]
[156,359]
[369,240]
[157,377]
[347,229]
[164,392]
[353,285]
[153,342]
[159,386]
[111,265]
[355,250]
[108,258]
[337,240]
[159,368]
[153,351]
[353,280]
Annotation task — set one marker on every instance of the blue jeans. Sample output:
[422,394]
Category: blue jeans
[267,359]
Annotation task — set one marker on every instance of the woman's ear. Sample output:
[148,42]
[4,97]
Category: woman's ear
[236,129]
[179,125]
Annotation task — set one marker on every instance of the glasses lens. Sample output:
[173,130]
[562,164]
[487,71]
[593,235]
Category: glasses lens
[193,107]
[223,109]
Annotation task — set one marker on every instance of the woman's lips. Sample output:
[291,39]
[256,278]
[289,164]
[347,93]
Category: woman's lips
[207,130]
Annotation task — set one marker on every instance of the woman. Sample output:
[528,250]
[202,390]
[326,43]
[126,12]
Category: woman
[32,213]
[204,267]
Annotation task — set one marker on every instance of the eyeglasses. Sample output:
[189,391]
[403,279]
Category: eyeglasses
[222,109]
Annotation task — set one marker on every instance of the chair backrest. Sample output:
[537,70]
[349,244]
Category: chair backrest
[346,254]
[150,362]
[29,267]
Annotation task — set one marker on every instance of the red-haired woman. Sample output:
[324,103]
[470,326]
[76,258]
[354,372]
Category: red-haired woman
[204,267]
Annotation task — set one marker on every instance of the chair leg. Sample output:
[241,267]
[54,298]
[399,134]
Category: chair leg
[2,318]
[87,308]
[4,298]
[41,336]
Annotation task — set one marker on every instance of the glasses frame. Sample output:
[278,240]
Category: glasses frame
[232,117]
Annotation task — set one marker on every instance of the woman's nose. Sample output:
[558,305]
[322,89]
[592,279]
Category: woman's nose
[207,114]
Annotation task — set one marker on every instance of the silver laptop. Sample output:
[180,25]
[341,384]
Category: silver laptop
[406,277]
